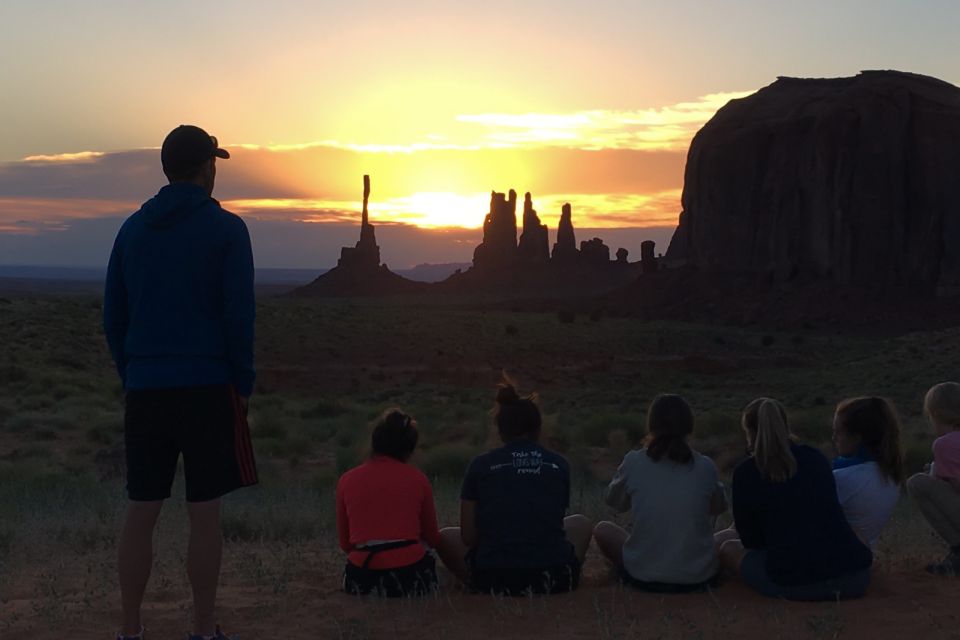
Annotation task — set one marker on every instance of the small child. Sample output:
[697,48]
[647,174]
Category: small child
[938,492]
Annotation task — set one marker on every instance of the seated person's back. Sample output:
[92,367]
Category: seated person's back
[671,540]
[385,514]
[869,468]
[522,492]
[798,521]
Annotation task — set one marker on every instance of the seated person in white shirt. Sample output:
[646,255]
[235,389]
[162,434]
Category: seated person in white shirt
[869,468]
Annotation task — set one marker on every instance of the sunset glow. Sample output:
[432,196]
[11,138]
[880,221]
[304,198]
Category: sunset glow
[591,103]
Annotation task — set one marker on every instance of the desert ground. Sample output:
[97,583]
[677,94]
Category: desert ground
[327,368]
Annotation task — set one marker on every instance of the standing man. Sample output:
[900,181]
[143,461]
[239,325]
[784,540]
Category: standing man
[178,314]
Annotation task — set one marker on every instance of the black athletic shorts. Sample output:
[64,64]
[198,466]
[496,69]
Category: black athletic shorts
[417,579]
[668,587]
[522,581]
[207,424]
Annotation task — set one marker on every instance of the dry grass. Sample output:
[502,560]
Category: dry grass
[326,370]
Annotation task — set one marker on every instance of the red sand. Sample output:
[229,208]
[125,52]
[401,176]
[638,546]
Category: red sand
[901,603]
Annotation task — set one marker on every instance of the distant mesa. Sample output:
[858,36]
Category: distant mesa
[565,249]
[852,181]
[499,245]
[594,252]
[648,261]
[502,262]
[500,249]
[534,244]
[359,272]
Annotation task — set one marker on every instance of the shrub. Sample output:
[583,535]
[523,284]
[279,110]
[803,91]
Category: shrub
[595,430]
[449,460]
[323,408]
[346,458]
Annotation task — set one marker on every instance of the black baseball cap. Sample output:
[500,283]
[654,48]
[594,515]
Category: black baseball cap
[186,148]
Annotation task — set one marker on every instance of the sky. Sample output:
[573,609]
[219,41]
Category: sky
[592,103]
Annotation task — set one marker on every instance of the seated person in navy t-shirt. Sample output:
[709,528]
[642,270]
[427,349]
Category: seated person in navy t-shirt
[791,539]
[514,538]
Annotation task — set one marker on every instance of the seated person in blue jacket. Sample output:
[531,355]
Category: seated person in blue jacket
[514,536]
[794,541]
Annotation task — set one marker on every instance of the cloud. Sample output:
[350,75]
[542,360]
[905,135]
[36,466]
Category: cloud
[667,128]
[81,156]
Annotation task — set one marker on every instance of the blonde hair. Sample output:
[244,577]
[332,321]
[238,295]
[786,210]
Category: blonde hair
[942,403]
[766,421]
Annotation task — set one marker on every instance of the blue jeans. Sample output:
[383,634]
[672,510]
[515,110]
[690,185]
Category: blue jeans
[753,570]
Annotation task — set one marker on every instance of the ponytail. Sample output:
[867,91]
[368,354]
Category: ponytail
[766,420]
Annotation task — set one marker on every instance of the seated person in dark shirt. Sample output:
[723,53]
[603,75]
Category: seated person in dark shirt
[514,536]
[791,539]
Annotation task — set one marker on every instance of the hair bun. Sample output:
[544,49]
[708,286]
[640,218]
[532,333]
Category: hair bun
[506,394]
[397,417]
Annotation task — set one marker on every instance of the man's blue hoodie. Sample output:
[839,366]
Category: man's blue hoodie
[179,307]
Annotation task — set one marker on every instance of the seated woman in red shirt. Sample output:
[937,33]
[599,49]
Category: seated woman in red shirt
[386,516]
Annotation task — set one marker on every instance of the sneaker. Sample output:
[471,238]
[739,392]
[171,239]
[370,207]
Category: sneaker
[948,568]
[139,636]
[217,635]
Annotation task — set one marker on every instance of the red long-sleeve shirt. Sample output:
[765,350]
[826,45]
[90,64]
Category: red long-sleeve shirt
[385,499]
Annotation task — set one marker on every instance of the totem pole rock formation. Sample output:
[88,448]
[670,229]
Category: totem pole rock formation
[366,253]
[534,244]
[565,249]
[359,272]
[853,181]
[499,246]
[648,258]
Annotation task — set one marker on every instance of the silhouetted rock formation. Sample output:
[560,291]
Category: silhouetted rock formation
[565,249]
[534,244]
[366,253]
[499,246]
[849,180]
[594,252]
[648,259]
[622,255]
[359,272]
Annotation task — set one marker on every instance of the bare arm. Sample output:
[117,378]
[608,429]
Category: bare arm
[616,494]
[718,502]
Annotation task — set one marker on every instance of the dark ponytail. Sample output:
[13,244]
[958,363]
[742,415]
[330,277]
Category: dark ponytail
[516,417]
[669,422]
[874,420]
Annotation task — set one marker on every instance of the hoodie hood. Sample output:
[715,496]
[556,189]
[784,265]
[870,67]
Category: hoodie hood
[173,203]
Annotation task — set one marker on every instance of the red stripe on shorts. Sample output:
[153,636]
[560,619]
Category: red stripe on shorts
[242,446]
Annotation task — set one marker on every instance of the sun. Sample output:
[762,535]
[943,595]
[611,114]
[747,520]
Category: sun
[433,209]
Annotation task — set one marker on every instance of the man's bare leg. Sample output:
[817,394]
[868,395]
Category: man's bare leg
[135,560]
[203,562]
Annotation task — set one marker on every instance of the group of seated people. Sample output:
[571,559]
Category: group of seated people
[803,528]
